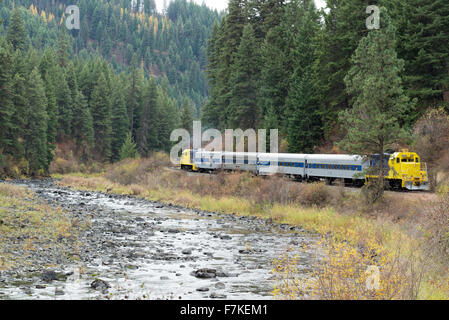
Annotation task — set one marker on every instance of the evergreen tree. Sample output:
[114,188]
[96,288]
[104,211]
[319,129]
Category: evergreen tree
[228,41]
[6,104]
[244,110]
[379,102]
[147,136]
[101,114]
[83,130]
[129,148]
[36,135]
[344,26]
[304,125]
[20,115]
[424,45]
[65,105]
[48,74]
[16,32]
[187,116]
[120,120]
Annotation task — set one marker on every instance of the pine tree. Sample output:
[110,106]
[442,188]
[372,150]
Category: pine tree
[228,41]
[6,104]
[303,122]
[101,114]
[120,120]
[345,25]
[129,148]
[83,130]
[186,116]
[36,136]
[48,74]
[20,115]
[244,109]
[65,105]
[16,34]
[135,96]
[424,45]
[147,135]
[62,49]
[379,102]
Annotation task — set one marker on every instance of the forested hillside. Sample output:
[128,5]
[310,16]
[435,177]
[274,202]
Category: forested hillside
[125,71]
[282,64]
[171,45]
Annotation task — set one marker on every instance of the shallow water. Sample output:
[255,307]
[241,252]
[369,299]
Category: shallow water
[137,247]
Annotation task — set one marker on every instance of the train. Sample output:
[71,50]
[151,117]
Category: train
[403,170]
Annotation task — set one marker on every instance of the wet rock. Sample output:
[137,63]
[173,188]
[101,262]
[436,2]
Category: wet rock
[222,274]
[220,285]
[59,292]
[205,273]
[49,276]
[202,289]
[99,284]
[187,251]
[107,262]
[225,237]
[164,278]
[215,295]
[27,291]
[173,231]
[40,286]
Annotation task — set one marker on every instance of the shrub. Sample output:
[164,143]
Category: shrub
[432,141]
[315,194]
[346,272]
[436,224]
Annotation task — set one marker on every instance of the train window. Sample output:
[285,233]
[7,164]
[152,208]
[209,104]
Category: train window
[398,160]
[417,160]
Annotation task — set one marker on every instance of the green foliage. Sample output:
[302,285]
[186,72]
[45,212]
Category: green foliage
[244,110]
[6,104]
[101,114]
[16,32]
[36,131]
[378,100]
[303,120]
[187,116]
[129,148]
[423,42]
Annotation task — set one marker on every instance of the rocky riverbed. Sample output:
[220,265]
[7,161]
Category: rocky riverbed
[138,249]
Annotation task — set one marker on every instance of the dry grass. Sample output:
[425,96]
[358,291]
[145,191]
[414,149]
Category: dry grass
[27,224]
[393,225]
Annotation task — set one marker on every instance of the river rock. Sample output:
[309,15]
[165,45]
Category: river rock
[59,292]
[203,289]
[49,276]
[220,285]
[99,284]
[205,273]
[187,251]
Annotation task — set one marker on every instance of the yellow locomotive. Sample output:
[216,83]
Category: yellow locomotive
[187,160]
[406,171]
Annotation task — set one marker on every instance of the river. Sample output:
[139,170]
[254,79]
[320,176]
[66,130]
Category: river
[147,250]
